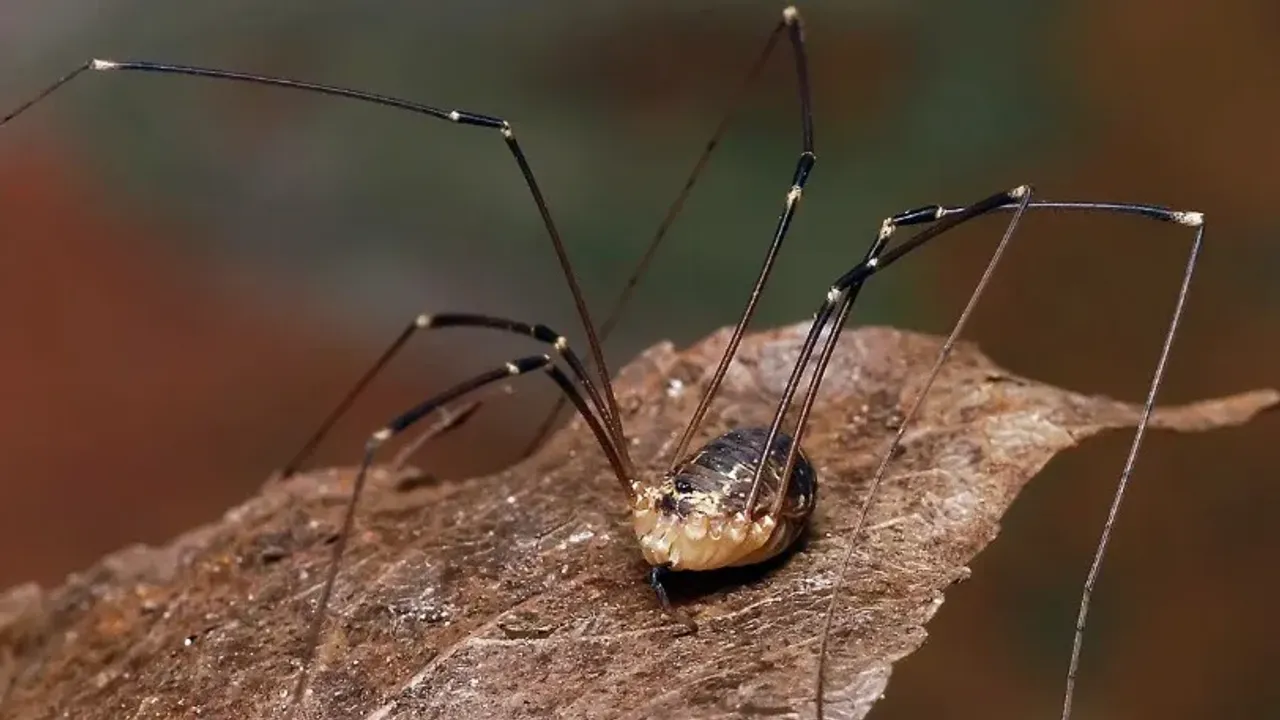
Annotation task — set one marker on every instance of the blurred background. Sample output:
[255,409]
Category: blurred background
[193,272]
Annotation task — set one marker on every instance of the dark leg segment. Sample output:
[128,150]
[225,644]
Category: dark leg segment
[422,322]
[461,117]
[407,420]
[844,291]
[668,220]
[839,300]
[792,23]
[1095,567]
[1025,194]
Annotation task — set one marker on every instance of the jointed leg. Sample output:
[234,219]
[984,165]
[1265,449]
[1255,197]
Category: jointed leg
[839,301]
[1024,193]
[669,218]
[461,117]
[939,218]
[423,322]
[1095,567]
[851,281]
[407,420]
[792,23]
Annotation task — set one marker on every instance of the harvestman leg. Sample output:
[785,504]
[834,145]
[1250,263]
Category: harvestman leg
[839,301]
[677,205]
[844,291]
[840,298]
[588,404]
[790,22]
[426,322]
[804,165]
[461,117]
[793,25]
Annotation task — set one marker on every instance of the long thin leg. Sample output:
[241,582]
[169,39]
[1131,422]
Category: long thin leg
[426,321]
[1157,378]
[792,23]
[941,218]
[853,279]
[839,300]
[407,420]
[461,117]
[668,220]
[1024,193]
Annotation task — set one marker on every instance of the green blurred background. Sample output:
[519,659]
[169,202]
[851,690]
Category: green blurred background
[192,272]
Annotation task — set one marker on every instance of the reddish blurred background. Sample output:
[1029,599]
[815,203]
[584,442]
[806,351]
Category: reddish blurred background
[193,272]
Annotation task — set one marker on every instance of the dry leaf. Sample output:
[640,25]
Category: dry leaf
[522,594]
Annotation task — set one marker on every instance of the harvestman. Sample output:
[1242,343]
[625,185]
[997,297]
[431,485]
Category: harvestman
[746,496]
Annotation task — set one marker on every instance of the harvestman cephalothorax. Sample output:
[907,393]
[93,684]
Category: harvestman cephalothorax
[746,496]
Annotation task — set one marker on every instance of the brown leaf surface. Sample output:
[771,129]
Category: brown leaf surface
[522,594]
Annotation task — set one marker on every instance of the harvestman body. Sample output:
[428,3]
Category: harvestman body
[747,495]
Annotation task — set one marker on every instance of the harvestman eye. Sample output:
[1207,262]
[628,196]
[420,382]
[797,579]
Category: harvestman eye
[747,495]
